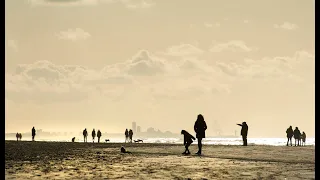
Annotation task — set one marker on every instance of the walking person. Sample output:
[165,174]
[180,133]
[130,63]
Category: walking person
[130,135]
[85,135]
[93,135]
[17,136]
[289,135]
[296,135]
[200,127]
[126,133]
[99,135]
[244,132]
[33,132]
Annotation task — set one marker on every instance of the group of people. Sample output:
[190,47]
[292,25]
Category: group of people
[200,127]
[297,135]
[19,136]
[128,135]
[85,135]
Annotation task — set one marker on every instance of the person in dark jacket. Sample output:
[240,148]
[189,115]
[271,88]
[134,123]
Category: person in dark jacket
[17,136]
[85,135]
[200,127]
[187,141]
[33,132]
[244,132]
[93,135]
[20,136]
[303,137]
[289,135]
[130,135]
[126,133]
[296,135]
[99,135]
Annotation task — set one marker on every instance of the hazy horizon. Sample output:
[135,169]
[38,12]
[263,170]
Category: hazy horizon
[105,63]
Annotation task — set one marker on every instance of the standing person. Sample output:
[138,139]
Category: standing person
[93,135]
[126,133]
[187,141]
[296,135]
[99,135]
[33,132]
[200,127]
[244,132]
[130,135]
[17,136]
[85,134]
[304,136]
[20,136]
[289,135]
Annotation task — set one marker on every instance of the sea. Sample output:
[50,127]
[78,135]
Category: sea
[214,141]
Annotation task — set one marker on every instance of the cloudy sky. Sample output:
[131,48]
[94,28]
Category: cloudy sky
[104,63]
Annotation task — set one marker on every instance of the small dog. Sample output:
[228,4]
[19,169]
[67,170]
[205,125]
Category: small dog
[73,139]
[107,140]
[138,140]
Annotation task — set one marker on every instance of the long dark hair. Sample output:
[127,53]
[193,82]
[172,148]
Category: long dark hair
[200,118]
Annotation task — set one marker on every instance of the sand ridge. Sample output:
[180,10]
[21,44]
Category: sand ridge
[66,160]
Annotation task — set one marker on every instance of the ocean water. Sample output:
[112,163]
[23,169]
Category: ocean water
[214,141]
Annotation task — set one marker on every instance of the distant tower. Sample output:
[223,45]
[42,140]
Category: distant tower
[134,127]
[138,129]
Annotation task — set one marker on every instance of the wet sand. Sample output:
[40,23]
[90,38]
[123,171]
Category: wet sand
[66,160]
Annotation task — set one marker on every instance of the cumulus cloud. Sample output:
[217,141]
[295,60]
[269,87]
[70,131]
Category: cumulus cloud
[286,26]
[234,46]
[130,4]
[12,44]
[73,34]
[183,50]
[208,25]
[298,68]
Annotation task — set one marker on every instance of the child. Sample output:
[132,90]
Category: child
[187,140]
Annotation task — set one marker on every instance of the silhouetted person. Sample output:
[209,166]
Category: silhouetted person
[200,127]
[126,133]
[17,136]
[130,135]
[99,135]
[73,139]
[33,132]
[187,141]
[93,135]
[296,135]
[303,137]
[20,136]
[85,135]
[289,135]
[244,132]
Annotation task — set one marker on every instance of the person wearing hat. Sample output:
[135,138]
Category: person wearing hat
[244,132]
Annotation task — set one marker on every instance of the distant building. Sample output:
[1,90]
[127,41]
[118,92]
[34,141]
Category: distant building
[138,129]
[134,127]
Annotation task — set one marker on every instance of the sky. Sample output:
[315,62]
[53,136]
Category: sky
[102,64]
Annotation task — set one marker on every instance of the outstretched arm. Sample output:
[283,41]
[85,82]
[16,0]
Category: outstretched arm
[239,124]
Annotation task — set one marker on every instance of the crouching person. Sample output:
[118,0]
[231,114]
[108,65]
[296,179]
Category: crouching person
[187,141]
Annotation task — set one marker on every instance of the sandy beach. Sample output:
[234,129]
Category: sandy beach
[66,160]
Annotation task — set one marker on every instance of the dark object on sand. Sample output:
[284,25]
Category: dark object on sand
[200,127]
[107,140]
[187,140]
[244,132]
[123,150]
[73,139]
[138,140]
